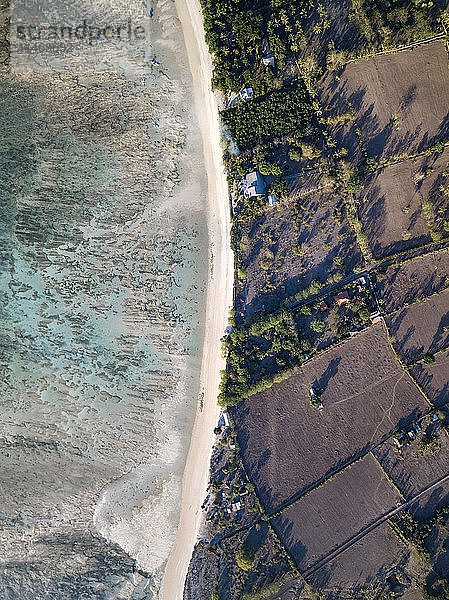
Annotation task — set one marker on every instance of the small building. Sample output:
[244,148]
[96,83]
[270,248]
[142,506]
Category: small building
[362,280]
[268,58]
[268,61]
[253,185]
[226,418]
[323,306]
[236,506]
[399,439]
[246,93]
[342,298]
[376,318]
[272,201]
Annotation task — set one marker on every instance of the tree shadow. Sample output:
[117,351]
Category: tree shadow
[284,529]
[329,373]
[441,337]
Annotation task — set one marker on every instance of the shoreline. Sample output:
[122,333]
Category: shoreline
[218,302]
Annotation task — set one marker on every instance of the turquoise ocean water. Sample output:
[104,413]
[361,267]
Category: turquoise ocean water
[103,268]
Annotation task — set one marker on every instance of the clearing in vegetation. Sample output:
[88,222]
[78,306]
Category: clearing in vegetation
[406,205]
[422,329]
[402,284]
[288,445]
[398,101]
[292,245]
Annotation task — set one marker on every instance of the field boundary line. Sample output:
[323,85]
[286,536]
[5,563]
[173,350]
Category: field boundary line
[386,517]
[409,46]
[396,160]
[420,361]
[388,476]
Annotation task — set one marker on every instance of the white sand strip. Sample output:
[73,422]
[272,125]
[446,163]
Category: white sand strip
[219,300]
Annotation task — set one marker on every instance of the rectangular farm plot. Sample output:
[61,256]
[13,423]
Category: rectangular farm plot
[288,446]
[399,101]
[289,247]
[418,464]
[434,378]
[403,206]
[421,329]
[331,515]
[413,280]
[369,560]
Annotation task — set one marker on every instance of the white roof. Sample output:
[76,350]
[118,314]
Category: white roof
[251,192]
[252,178]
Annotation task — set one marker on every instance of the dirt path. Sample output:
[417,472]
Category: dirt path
[356,538]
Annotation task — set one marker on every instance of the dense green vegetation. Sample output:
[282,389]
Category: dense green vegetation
[429,445]
[442,593]
[271,116]
[272,346]
[414,532]
[296,29]
[257,355]
[381,22]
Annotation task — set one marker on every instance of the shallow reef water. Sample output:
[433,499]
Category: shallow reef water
[103,269]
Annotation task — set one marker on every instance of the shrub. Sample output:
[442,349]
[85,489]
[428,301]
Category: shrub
[318,325]
[429,445]
[245,558]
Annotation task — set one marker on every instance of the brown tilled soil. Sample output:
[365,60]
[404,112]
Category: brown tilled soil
[391,204]
[330,515]
[368,561]
[288,446]
[301,253]
[419,278]
[412,86]
[421,328]
[411,471]
[434,379]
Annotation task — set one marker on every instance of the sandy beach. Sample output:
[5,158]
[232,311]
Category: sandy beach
[219,300]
